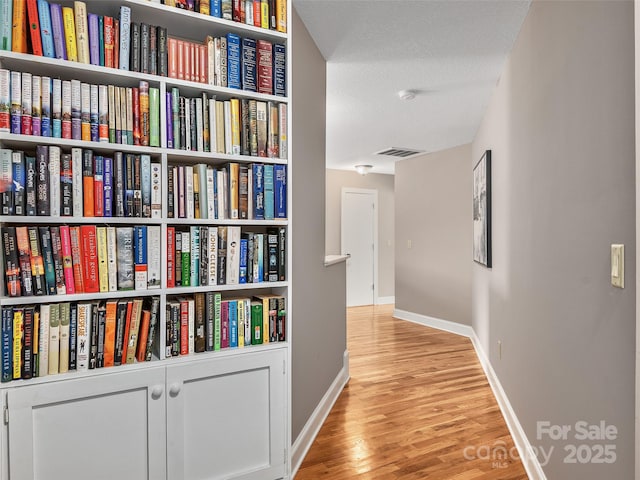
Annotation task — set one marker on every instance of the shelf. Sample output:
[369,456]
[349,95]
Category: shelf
[242,223]
[225,288]
[67,70]
[174,155]
[13,140]
[78,297]
[193,25]
[48,220]
[154,363]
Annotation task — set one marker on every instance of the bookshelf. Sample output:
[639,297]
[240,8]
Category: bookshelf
[219,413]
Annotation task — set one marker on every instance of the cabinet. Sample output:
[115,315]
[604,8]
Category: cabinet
[216,418]
[220,413]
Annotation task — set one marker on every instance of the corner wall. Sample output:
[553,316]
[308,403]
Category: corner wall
[561,129]
[433,211]
[318,313]
[336,180]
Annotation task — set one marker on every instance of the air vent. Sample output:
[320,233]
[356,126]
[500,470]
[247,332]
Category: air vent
[400,152]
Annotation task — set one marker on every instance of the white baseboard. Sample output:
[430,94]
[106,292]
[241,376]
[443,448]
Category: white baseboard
[308,434]
[446,325]
[386,300]
[525,450]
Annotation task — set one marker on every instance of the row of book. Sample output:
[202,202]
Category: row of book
[47,339]
[207,322]
[74,34]
[235,126]
[51,107]
[53,183]
[236,191]
[224,255]
[59,260]
[270,14]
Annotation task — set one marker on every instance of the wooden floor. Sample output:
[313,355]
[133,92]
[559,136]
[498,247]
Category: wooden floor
[418,406]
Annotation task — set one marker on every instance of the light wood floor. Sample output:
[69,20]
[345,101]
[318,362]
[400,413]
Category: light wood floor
[417,401]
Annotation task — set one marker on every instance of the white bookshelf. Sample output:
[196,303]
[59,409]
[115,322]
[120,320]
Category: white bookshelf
[153,403]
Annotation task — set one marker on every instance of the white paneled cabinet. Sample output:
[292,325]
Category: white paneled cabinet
[207,419]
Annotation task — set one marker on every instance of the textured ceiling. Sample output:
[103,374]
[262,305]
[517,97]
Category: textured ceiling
[450,52]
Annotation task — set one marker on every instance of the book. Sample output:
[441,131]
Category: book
[37,262]
[94,38]
[5,100]
[90,275]
[264,62]
[83,336]
[110,332]
[7,343]
[269,185]
[82,31]
[6,18]
[233,61]
[279,69]
[45,122]
[65,322]
[67,262]
[140,257]
[280,191]
[58,263]
[124,241]
[19,27]
[134,328]
[34,27]
[154,321]
[68,18]
[256,322]
[103,258]
[20,240]
[54,339]
[125,32]
[57,28]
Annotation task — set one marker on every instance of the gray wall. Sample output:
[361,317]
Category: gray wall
[336,180]
[318,294]
[433,211]
[561,129]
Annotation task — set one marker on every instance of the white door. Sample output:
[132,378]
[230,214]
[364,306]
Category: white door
[359,240]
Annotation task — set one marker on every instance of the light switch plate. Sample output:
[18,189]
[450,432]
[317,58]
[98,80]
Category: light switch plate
[617,265]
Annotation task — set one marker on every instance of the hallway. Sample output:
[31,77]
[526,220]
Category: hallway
[417,406]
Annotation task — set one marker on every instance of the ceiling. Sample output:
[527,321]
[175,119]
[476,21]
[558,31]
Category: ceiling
[450,52]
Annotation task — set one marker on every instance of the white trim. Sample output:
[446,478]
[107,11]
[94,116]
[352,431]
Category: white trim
[309,432]
[374,193]
[386,300]
[446,325]
[525,450]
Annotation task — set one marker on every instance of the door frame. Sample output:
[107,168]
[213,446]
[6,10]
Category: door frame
[374,193]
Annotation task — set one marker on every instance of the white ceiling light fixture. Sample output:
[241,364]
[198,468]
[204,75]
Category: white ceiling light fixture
[407,95]
[363,169]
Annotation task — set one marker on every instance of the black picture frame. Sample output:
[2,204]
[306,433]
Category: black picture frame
[482,210]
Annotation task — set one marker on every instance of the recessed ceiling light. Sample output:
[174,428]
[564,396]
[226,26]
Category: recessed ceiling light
[363,169]
[406,94]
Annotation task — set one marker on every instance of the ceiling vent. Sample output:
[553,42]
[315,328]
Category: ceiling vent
[400,152]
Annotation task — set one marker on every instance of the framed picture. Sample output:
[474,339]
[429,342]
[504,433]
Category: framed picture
[482,210]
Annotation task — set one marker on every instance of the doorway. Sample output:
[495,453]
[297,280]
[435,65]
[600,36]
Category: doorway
[359,239]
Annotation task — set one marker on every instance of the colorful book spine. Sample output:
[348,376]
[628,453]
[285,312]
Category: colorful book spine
[34,27]
[57,28]
[233,61]
[279,70]
[249,65]
[46,30]
[70,33]
[36,105]
[25,123]
[19,27]
[125,34]
[6,17]
[67,262]
[94,39]
[45,122]
[82,31]
[16,102]
[154,117]
[5,100]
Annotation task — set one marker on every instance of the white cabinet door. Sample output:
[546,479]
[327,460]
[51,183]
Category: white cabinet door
[105,427]
[226,418]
